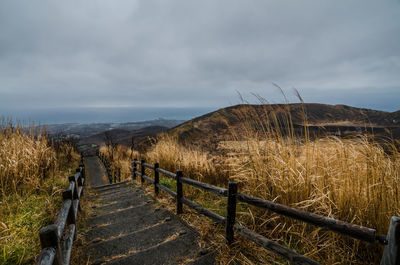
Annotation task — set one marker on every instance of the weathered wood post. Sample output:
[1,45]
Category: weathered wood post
[49,239]
[81,179]
[109,174]
[108,170]
[134,169]
[391,254]
[69,195]
[72,195]
[143,171]
[75,192]
[156,178]
[230,212]
[119,174]
[83,173]
[53,250]
[179,192]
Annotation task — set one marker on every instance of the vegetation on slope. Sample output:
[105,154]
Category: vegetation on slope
[33,174]
[354,180]
[208,130]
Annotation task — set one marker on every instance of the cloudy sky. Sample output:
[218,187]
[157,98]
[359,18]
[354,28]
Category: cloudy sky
[182,58]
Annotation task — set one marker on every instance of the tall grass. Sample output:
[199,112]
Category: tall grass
[195,163]
[32,175]
[120,158]
[24,159]
[354,180]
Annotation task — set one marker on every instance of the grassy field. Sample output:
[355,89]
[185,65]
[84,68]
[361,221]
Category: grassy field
[33,175]
[354,180]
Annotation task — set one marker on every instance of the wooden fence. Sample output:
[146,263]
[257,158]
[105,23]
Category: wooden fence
[56,239]
[113,176]
[391,254]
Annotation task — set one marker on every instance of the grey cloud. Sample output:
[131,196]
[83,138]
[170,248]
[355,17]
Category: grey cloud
[197,53]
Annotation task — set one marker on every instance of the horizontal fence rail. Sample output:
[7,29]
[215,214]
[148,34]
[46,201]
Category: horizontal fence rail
[206,187]
[56,239]
[356,231]
[167,173]
[391,253]
[271,245]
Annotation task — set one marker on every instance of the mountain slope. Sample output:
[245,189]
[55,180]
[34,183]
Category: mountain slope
[321,118]
[85,130]
[124,137]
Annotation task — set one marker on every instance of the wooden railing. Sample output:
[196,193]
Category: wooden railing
[56,239]
[112,178]
[391,253]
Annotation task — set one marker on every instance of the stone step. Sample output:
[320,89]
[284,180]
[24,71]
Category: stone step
[111,193]
[134,242]
[121,216]
[170,252]
[110,186]
[116,190]
[122,196]
[130,225]
[118,205]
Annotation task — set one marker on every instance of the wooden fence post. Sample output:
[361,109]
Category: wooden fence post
[49,239]
[230,212]
[134,169]
[75,192]
[81,181]
[179,192]
[391,254]
[108,170]
[142,169]
[83,173]
[71,195]
[156,177]
[109,174]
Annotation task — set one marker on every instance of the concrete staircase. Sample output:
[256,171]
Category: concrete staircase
[129,228]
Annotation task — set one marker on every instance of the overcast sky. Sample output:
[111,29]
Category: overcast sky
[63,55]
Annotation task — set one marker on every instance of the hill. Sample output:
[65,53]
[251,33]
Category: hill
[321,119]
[79,131]
[124,137]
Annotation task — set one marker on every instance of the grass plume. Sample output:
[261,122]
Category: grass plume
[33,174]
[354,180]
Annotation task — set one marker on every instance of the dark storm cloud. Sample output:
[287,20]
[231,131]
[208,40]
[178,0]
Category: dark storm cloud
[197,53]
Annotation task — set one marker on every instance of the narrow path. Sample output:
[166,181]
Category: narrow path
[95,171]
[129,228]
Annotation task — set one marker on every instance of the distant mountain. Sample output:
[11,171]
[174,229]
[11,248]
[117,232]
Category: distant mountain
[80,131]
[208,130]
[321,118]
[123,137]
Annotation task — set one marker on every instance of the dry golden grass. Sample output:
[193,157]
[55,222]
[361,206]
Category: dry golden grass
[354,180]
[31,184]
[24,159]
[120,157]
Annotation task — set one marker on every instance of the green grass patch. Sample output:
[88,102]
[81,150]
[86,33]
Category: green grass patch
[169,183]
[23,215]
[211,201]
